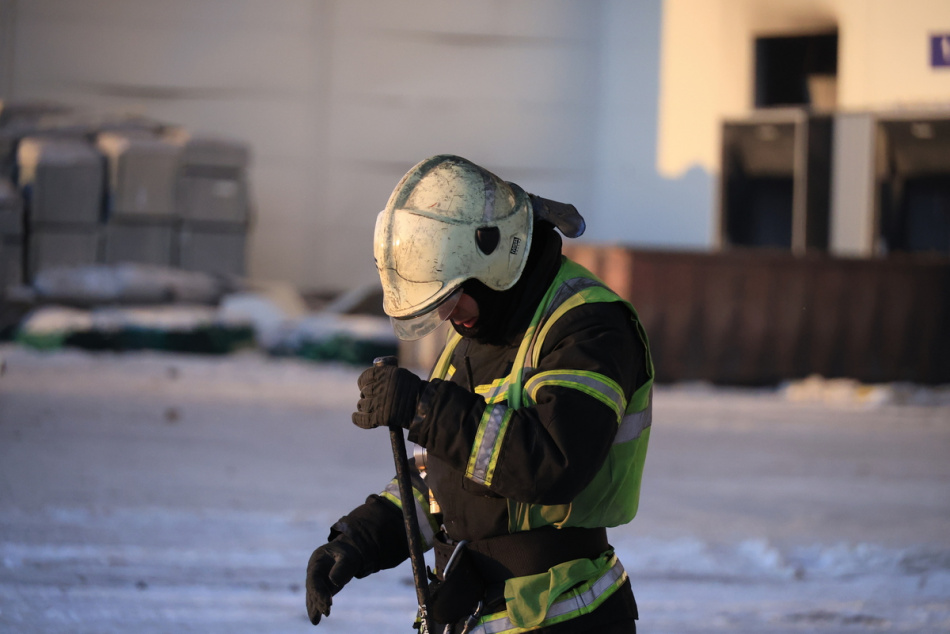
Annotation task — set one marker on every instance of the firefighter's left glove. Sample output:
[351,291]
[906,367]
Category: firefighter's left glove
[388,396]
[331,567]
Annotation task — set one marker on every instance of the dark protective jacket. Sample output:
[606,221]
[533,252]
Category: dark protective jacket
[552,448]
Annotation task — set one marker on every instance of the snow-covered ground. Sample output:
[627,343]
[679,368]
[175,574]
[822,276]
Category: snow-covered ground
[158,493]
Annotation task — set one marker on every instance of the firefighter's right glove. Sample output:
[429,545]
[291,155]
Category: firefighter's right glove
[331,567]
[388,396]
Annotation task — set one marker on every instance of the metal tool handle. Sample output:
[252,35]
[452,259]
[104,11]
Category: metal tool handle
[410,519]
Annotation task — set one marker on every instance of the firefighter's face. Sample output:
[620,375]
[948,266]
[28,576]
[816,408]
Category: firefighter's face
[466,312]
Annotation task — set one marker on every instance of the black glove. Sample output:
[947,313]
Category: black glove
[388,396]
[331,567]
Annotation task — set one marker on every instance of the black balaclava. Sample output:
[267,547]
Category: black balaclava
[503,315]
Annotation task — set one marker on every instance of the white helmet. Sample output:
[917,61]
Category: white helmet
[447,221]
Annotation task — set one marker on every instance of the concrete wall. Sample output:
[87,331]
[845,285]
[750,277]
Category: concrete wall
[708,63]
[636,205]
[339,98]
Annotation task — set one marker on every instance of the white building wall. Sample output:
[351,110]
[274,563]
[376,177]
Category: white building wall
[509,85]
[632,202]
[885,55]
[339,98]
[707,62]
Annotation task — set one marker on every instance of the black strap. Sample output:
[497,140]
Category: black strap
[529,552]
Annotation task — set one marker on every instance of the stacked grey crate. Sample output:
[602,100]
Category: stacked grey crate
[212,204]
[60,180]
[18,120]
[112,188]
[141,217]
[11,236]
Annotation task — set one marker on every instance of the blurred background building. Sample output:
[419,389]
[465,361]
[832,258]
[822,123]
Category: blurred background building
[706,141]
[337,100]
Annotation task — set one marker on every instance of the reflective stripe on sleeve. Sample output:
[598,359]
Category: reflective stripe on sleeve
[633,424]
[427,525]
[491,432]
[605,390]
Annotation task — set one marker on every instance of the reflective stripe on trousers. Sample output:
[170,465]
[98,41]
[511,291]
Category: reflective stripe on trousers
[570,605]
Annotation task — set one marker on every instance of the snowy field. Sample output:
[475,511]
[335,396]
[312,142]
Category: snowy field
[155,493]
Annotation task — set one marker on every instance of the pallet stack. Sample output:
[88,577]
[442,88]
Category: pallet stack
[60,180]
[212,204]
[11,235]
[140,214]
[78,189]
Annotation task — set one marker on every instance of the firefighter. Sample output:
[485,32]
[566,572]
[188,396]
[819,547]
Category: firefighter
[533,424]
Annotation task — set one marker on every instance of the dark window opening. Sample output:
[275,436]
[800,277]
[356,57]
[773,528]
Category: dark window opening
[918,221]
[775,187]
[761,213]
[914,193]
[796,71]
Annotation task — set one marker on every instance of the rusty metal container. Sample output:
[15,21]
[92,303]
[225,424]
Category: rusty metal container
[756,317]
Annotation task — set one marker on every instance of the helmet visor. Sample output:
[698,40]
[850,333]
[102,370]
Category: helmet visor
[418,261]
[412,328]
